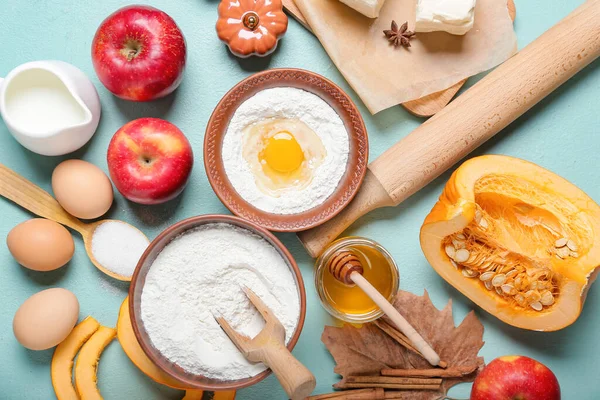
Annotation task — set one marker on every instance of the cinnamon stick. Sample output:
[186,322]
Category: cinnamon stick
[396,335]
[399,337]
[393,379]
[358,394]
[453,372]
[394,394]
[394,386]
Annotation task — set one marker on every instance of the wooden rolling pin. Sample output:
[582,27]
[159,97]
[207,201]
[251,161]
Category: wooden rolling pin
[474,117]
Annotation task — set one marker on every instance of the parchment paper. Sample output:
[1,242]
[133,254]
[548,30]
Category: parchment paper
[384,76]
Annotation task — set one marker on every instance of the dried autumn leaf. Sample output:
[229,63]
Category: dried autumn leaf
[368,350]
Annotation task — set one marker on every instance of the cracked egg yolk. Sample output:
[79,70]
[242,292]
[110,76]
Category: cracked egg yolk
[283,154]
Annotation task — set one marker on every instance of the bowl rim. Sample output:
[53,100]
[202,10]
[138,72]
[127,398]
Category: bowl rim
[332,94]
[164,238]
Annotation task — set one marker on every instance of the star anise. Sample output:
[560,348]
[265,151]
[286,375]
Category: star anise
[399,36]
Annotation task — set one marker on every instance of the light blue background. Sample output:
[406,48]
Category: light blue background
[562,134]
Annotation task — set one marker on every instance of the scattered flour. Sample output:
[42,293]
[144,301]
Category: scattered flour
[291,103]
[200,273]
[118,247]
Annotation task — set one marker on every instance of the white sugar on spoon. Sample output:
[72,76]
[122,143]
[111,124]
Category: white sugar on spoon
[118,244]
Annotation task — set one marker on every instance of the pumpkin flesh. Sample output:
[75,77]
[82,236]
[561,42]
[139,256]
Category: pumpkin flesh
[509,219]
[61,369]
[87,363]
[136,354]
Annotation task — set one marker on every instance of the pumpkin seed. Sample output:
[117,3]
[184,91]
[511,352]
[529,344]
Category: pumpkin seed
[518,281]
[477,216]
[511,273]
[572,245]
[460,236]
[547,299]
[536,305]
[486,276]
[450,251]
[499,280]
[458,244]
[499,291]
[461,255]
[574,254]
[488,285]
[532,271]
[455,265]
[483,223]
[469,273]
[562,242]
[520,299]
[533,296]
[508,289]
[563,252]
[534,285]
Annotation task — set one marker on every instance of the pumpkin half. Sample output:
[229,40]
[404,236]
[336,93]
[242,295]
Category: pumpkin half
[516,239]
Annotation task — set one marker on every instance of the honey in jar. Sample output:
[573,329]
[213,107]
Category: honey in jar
[349,302]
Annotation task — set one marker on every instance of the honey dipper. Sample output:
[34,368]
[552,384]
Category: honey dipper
[269,348]
[347,268]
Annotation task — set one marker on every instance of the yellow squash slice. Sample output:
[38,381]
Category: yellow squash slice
[227,395]
[62,360]
[135,353]
[517,239]
[193,395]
[87,363]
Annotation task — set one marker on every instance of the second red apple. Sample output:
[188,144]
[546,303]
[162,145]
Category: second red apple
[149,160]
[515,378]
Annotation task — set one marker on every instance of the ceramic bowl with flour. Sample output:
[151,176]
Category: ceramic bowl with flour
[286,149]
[194,270]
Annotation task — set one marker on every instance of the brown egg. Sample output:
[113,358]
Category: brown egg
[82,189]
[40,244]
[46,318]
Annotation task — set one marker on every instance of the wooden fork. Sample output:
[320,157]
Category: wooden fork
[269,348]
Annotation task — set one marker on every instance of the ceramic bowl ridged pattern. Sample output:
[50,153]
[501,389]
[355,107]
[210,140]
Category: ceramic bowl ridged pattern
[137,284]
[330,93]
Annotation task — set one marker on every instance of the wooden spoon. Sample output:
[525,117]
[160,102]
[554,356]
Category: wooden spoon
[33,198]
[347,268]
[269,348]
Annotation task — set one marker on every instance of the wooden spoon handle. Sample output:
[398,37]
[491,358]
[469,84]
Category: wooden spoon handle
[297,381]
[33,198]
[401,323]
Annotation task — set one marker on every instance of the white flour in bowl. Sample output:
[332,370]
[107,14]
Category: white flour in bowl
[287,103]
[200,273]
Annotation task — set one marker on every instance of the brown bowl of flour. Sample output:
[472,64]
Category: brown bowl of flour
[325,167]
[194,270]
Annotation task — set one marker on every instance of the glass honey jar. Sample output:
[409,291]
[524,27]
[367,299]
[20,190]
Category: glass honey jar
[350,303]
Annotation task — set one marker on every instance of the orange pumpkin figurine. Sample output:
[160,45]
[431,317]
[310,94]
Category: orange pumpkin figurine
[251,27]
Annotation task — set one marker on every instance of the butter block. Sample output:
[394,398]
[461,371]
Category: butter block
[369,8]
[452,16]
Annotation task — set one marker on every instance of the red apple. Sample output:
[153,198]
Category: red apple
[515,378]
[149,160]
[139,53]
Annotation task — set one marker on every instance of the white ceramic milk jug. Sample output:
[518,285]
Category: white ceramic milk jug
[50,107]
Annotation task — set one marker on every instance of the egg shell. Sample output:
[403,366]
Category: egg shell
[46,318]
[82,189]
[40,244]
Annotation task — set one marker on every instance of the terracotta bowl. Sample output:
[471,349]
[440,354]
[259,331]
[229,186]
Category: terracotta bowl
[139,278]
[336,98]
